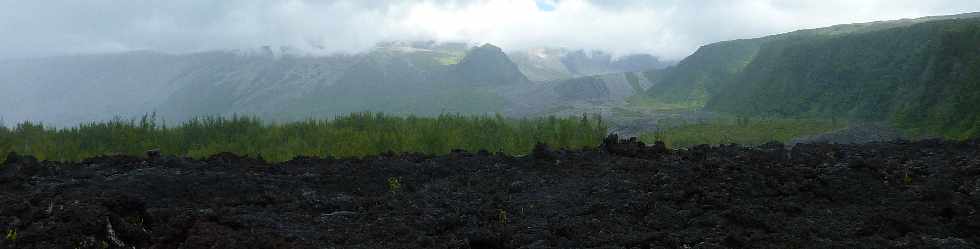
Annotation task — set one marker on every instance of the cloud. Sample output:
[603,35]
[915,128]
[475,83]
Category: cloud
[668,28]
[545,5]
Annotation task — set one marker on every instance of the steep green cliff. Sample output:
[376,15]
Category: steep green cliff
[920,74]
[924,77]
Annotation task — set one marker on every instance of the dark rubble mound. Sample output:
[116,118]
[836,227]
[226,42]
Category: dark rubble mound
[625,194]
[632,147]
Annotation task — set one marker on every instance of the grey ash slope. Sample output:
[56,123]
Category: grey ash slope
[259,85]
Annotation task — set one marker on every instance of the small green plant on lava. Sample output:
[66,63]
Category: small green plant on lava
[502,216]
[11,235]
[394,184]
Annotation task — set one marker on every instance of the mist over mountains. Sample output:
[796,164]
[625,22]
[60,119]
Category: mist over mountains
[188,124]
[918,74]
[423,78]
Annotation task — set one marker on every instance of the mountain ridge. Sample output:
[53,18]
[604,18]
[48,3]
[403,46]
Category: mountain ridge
[694,79]
[883,71]
[422,78]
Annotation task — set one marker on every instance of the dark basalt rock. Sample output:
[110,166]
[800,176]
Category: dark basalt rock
[153,154]
[541,151]
[633,147]
[21,166]
[625,195]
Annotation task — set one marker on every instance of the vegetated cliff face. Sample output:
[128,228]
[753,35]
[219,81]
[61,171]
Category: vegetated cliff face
[920,74]
[701,75]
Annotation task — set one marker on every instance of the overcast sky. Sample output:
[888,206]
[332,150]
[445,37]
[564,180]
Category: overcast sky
[668,28]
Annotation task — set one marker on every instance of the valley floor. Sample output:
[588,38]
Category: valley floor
[624,195]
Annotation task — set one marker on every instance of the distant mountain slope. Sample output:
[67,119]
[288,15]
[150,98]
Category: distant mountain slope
[401,80]
[921,74]
[550,64]
[925,77]
[704,73]
[422,78]
[589,94]
[88,88]
[700,76]
[399,77]
[487,65]
[541,64]
[225,83]
[406,83]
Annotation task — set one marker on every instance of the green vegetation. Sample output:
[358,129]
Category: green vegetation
[704,73]
[448,99]
[429,60]
[356,134]
[740,130]
[394,184]
[919,75]
[135,220]
[451,58]
[502,217]
[907,178]
[11,234]
[922,78]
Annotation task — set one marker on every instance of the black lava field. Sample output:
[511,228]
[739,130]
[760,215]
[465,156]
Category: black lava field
[625,194]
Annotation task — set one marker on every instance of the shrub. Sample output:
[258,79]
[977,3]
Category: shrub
[11,235]
[394,184]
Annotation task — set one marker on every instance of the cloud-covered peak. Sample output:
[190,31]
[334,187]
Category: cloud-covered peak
[667,28]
